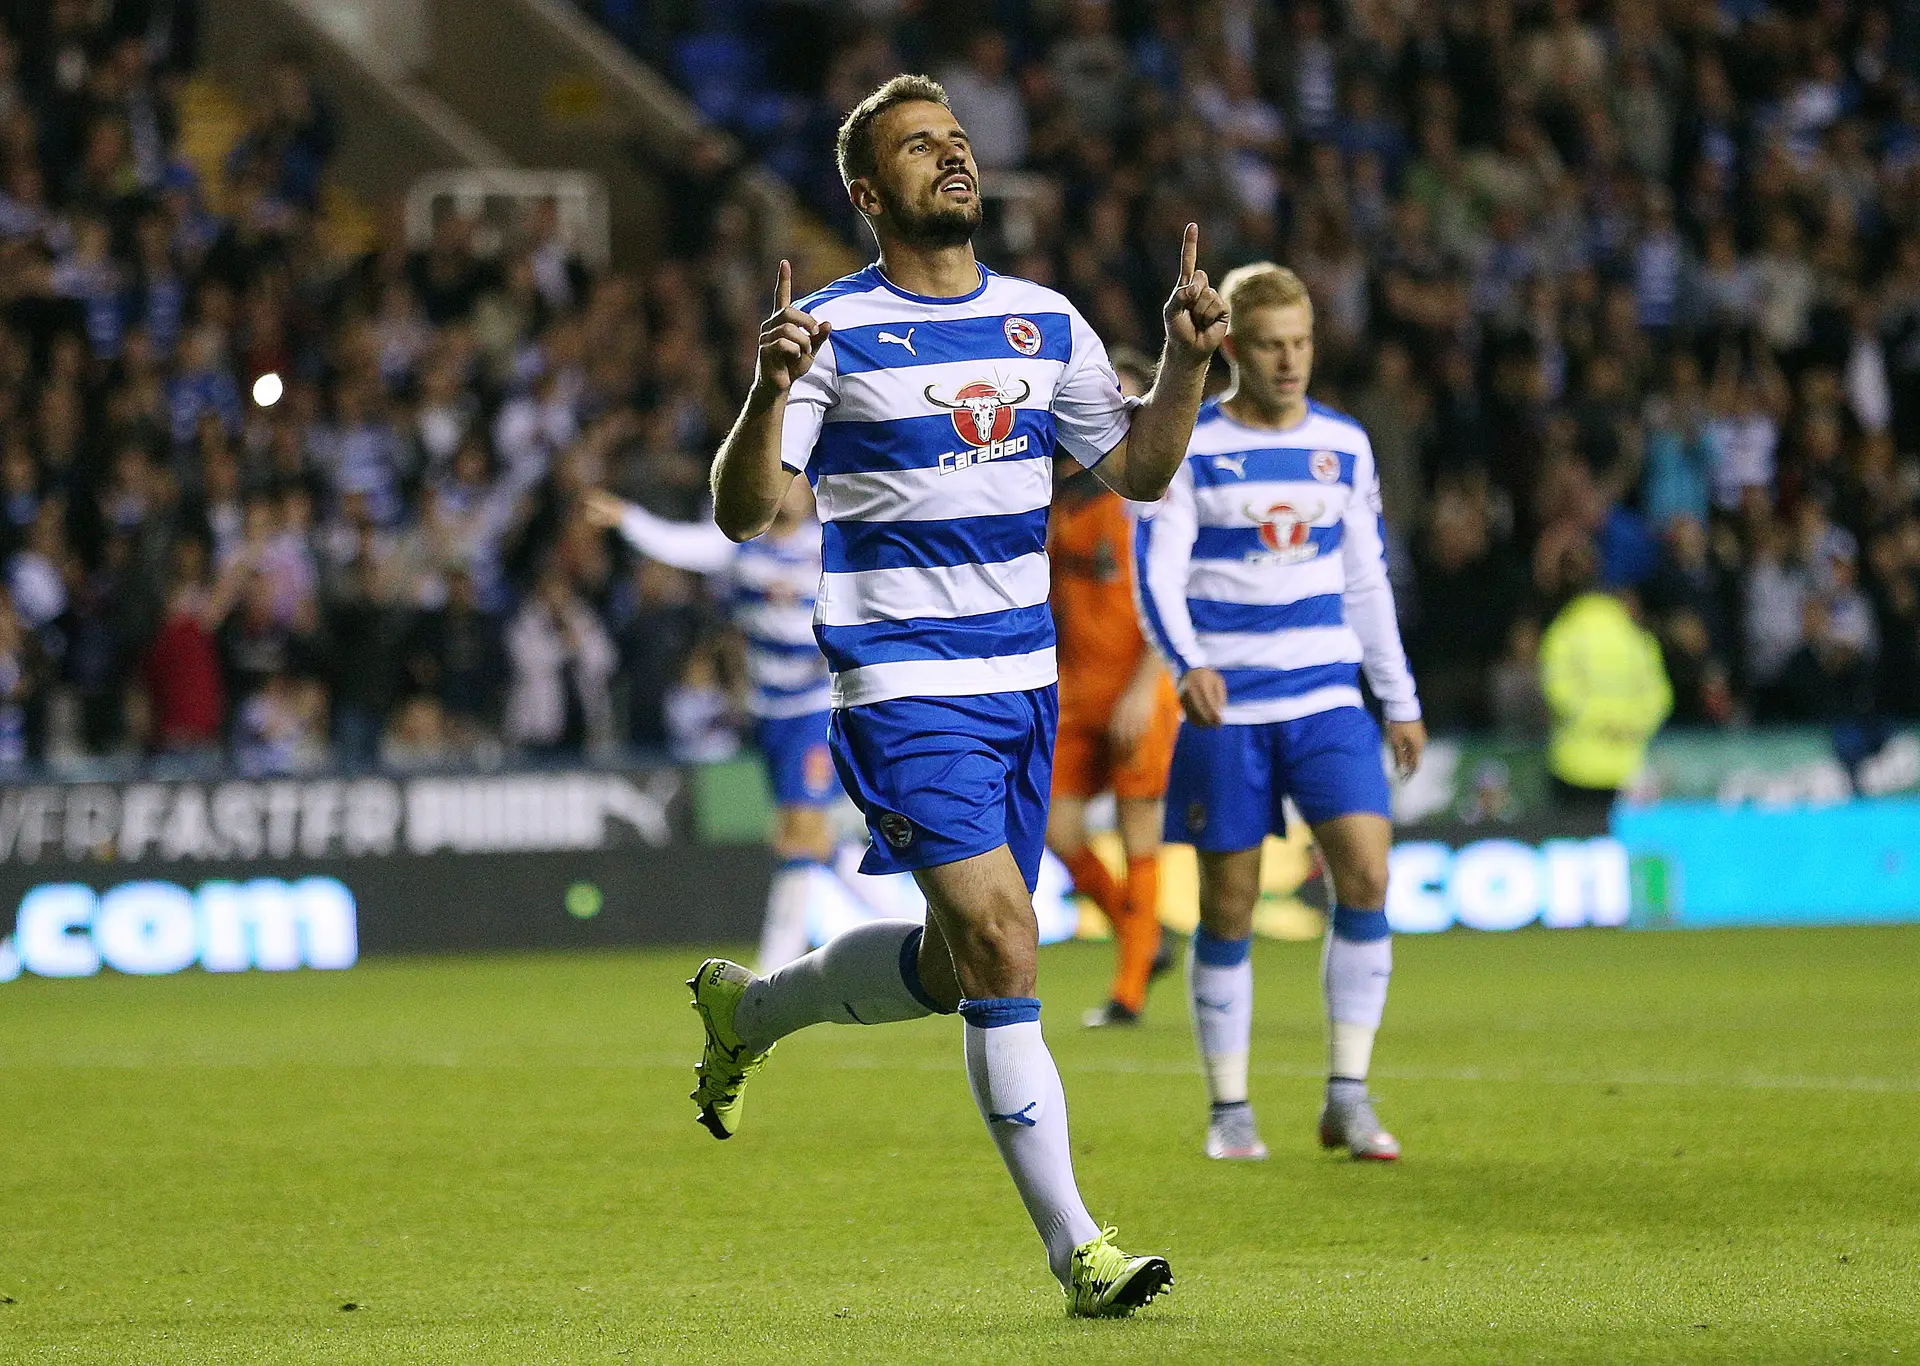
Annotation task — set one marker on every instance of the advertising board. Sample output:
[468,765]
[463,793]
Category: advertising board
[1700,864]
[150,878]
[154,877]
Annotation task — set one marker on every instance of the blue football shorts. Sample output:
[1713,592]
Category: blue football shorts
[941,779]
[799,766]
[1228,787]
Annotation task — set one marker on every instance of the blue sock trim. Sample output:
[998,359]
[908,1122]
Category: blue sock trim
[1360,926]
[910,971]
[1220,953]
[789,865]
[1001,1010]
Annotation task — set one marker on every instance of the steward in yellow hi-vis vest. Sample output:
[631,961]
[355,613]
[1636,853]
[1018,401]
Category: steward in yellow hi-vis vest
[1607,689]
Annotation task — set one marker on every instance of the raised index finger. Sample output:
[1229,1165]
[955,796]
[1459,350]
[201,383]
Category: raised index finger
[783,288]
[1189,252]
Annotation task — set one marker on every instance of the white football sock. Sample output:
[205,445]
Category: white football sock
[1355,970]
[869,975]
[1018,1090]
[783,937]
[1220,992]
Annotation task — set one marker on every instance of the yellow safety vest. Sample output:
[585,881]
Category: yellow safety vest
[1607,689]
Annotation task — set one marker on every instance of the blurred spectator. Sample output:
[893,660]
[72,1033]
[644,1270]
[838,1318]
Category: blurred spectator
[1091,67]
[1397,415]
[293,133]
[1829,676]
[1470,590]
[281,727]
[1893,579]
[663,618]
[1742,432]
[1248,132]
[418,737]
[558,703]
[36,573]
[702,720]
[987,102]
[184,687]
[1688,598]
[1519,708]
[23,678]
[455,654]
[366,631]
[1606,687]
[1679,455]
[1775,592]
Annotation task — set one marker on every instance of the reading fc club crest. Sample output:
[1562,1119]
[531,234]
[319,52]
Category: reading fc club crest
[1023,335]
[816,770]
[1325,466]
[897,829]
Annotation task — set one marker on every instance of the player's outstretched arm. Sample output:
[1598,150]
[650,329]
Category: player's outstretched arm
[697,546]
[748,479]
[1196,319]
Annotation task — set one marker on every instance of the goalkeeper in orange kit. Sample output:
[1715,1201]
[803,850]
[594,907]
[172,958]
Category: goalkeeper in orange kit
[1118,720]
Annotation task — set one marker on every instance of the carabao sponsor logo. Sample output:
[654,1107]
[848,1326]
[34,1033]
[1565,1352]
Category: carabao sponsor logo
[982,415]
[1286,532]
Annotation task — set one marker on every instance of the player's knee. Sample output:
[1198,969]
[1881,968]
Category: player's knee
[996,950]
[1361,882]
[1006,936]
[1066,831]
[1227,913]
[1228,890]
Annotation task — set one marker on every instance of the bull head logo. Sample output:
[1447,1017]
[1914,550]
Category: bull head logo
[982,411]
[1287,530]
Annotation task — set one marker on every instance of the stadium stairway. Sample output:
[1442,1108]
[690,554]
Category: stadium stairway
[212,121]
[393,128]
[553,89]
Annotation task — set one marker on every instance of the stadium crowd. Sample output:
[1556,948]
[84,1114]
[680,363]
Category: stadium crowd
[268,503]
[1627,290]
[1629,293]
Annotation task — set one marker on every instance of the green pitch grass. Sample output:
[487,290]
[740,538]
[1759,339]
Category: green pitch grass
[1620,1148]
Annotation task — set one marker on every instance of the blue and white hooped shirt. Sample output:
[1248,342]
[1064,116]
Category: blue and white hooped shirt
[928,429]
[770,583]
[772,596]
[1266,561]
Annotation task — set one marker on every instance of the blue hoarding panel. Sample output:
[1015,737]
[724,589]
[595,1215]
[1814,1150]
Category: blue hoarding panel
[1702,864]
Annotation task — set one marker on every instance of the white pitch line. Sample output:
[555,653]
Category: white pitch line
[1746,1081]
[867,1062]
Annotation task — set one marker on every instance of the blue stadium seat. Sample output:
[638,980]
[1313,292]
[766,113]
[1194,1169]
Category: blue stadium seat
[717,69]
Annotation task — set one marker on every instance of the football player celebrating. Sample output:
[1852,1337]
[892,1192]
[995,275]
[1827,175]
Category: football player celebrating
[925,399]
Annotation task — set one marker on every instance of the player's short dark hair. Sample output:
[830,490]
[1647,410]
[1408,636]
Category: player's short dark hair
[853,149]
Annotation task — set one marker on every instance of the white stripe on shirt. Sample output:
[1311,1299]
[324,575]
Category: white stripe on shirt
[953,591]
[943,678]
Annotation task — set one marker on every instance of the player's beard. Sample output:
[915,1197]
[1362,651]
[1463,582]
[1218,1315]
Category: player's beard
[949,225]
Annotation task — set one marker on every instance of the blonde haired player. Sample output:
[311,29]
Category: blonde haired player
[1264,584]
